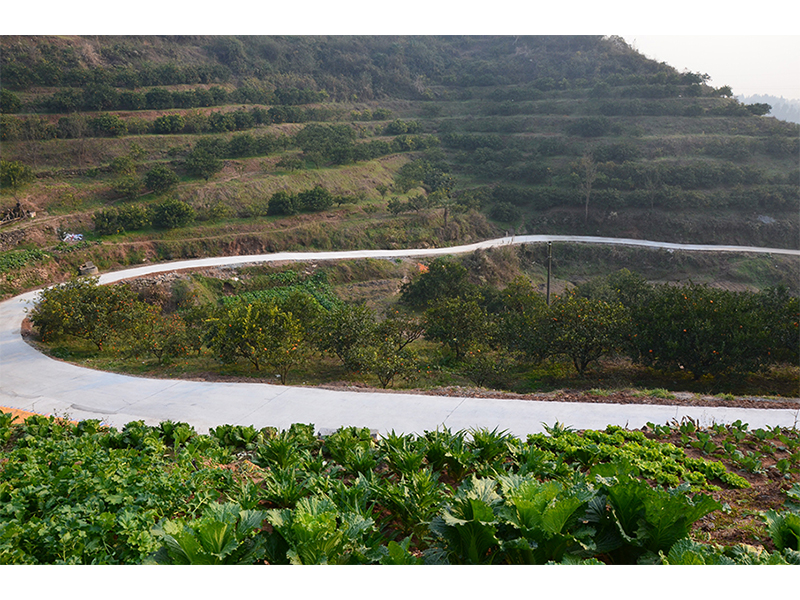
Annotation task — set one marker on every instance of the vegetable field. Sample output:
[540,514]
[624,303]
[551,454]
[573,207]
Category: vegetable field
[83,493]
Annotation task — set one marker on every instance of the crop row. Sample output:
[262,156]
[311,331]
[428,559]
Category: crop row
[84,493]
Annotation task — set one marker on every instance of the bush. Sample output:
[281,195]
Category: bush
[159,179]
[589,127]
[167,124]
[127,187]
[315,199]
[707,331]
[108,125]
[9,102]
[83,309]
[505,212]
[281,203]
[14,174]
[171,213]
[203,163]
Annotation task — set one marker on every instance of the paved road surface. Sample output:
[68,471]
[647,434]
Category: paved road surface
[32,381]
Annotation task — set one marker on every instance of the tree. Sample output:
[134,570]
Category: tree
[155,334]
[725,91]
[457,323]
[584,329]
[332,143]
[128,186]
[281,203]
[346,329]
[160,179]
[315,199]
[171,213]
[260,333]
[123,165]
[202,163]
[9,102]
[166,124]
[82,308]
[158,98]
[99,96]
[759,108]
[780,316]
[589,127]
[703,330]
[395,206]
[108,125]
[15,175]
[623,287]
[523,322]
[443,279]
[386,361]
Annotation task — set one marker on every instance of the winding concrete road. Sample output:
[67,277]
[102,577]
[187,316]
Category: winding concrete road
[31,381]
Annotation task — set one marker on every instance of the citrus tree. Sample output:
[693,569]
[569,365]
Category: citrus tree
[260,333]
[703,330]
[84,309]
[584,329]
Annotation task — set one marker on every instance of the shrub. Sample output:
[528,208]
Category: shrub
[160,179]
[167,124]
[281,203]
[172,213]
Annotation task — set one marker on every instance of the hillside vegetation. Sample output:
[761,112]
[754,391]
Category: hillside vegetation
[155,148]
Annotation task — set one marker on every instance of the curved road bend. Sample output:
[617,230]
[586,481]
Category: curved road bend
[31,381]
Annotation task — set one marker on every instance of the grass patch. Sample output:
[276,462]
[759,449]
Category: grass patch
[655,393]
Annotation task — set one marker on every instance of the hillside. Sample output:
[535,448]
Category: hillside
[154,148]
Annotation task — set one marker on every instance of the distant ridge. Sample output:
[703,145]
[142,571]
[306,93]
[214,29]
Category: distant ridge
[785,109]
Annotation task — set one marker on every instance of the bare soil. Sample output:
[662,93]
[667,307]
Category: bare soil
[616,397]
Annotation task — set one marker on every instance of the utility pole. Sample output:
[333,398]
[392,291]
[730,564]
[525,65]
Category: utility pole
[549,268]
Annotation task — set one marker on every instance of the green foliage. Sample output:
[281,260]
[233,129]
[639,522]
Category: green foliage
[584,330]
[202,163]
[260,333]
[118,220]
[80,494]
[123,165]
[171,213]
[643,521]
[704,330]
[317,532]
[152,333]
[457,323]
[348,328]
[589,127]
[15,175]
[783,529]
[83,309]
[468,526]
[314,200]
[11,260]
[443,279]
[70,496]
[689,552]
[160,179]
[9,102]
[224,535]
[326,143]
[663,463]
[305,297]
[166,124]
[128,186]
[107,126]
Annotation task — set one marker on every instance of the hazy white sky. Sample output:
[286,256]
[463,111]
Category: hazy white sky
[749,64]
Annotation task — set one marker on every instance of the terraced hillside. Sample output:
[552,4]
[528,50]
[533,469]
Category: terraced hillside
[154,148]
